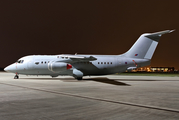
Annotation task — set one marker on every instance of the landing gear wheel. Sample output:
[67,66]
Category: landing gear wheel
[79,78]
[16,77]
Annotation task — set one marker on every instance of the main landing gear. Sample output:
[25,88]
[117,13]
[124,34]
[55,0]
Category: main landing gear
[16,77]
[79,78]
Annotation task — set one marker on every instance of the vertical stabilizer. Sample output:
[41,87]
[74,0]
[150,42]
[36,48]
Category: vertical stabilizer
[145,46]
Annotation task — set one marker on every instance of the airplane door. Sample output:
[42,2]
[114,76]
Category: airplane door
[30,64]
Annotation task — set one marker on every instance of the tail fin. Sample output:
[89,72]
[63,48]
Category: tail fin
[145,46]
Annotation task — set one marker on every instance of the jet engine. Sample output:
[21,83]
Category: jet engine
[58,66]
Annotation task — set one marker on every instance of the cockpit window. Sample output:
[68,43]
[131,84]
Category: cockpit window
[20,61]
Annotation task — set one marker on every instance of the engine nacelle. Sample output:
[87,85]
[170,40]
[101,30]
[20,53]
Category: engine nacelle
[58,66]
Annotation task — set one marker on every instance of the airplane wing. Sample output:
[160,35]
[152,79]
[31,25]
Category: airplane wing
[72,59]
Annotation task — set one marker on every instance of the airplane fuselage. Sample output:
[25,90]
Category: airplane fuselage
[105,64]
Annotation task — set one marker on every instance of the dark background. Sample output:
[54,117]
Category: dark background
[29,27]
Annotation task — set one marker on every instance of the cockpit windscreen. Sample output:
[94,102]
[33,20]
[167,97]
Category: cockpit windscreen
[20,61]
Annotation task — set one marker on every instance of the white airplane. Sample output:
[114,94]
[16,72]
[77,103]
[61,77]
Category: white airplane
[138,55]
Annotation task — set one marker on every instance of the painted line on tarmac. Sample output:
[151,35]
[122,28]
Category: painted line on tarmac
[98,99]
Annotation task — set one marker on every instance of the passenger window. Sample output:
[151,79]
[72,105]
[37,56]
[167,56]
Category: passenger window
[45,62]
[41,62]
[111,62]
[101,62]
[104,62]
[108,62]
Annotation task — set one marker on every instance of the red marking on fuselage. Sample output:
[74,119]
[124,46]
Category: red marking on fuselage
[69,66]
[135,63]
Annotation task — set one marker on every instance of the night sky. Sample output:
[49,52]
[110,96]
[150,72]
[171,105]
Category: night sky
[50,27]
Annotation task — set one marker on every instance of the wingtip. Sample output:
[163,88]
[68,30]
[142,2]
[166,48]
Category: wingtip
[171,31]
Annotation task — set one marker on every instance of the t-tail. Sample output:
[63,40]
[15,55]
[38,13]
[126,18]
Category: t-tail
[145,46]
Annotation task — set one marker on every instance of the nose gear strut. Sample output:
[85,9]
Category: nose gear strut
[16,76]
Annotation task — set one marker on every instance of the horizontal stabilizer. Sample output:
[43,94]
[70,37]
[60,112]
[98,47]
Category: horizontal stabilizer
[156,36]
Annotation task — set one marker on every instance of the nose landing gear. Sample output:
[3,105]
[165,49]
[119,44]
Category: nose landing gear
[16,77]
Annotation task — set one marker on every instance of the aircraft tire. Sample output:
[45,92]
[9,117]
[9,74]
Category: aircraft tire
[16,77]
[79,78]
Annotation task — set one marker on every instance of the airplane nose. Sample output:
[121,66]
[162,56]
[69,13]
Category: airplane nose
[10,68]
[6,69]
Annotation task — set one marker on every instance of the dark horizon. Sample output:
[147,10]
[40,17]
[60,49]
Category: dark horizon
[86,27]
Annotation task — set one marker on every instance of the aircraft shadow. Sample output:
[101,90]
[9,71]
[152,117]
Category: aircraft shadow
[107,81]
[144,80]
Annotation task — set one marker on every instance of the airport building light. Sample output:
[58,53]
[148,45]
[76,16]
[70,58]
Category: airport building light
[155,69]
